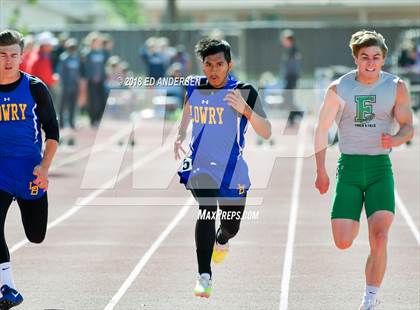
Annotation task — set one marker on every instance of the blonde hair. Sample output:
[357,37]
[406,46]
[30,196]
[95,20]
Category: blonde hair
[366,38]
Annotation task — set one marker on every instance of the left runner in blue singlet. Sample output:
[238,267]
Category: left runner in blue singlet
[26,108]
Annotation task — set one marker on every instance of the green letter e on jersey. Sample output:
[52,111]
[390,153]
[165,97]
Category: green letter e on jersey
[364,109]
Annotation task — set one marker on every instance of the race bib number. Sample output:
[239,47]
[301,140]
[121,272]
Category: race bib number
[186,165]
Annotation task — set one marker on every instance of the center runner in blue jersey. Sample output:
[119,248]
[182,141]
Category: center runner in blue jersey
[215,171]
[25,108]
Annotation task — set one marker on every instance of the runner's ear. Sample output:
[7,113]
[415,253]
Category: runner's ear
[230,65]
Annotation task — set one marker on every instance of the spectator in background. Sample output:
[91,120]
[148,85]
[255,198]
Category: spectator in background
[290,71]
[40,64]
[156,62]
[28,52]
[69,69]
[176,91]
[125,70]
[59,49]
[409,65]
[93,71]
[182,58]
[108,45]
[408,55]
[113,72]
[166,50]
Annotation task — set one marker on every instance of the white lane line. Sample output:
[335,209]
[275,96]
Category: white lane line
[406,215]
[146,257]
[75,208]
[288,259]
[85,152]
[154,201]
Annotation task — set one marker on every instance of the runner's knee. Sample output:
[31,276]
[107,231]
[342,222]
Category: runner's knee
[35,237]
[343,242]
[229,230]
[380,240]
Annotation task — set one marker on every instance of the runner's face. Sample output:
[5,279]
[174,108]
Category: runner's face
[216,69]
[10,59]
[369,62]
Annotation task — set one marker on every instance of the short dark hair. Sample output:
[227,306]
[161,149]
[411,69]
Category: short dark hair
[10,37]
[208,46]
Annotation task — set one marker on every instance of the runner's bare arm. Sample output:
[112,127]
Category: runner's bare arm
[327,116]
[185,121]
[41,171]
[186,117]
[49,153]
[261,125]
[404,117]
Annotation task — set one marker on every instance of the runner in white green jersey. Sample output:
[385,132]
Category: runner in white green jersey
[364,103]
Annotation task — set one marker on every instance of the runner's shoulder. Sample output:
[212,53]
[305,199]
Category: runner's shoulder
[38,88]
[393,77]
[196,81]
[36,83]
[343,78]
[248,91]
[245,86]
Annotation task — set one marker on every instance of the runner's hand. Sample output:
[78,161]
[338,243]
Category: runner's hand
[236,101]
[322,182]
[178,146]
[41,179]
[387,141]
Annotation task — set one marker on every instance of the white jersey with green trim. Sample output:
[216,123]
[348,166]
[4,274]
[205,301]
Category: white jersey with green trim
[366,111]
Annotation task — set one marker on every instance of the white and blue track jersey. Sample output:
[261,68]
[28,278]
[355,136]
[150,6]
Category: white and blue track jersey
[218,140]
[20,129]
[25,108]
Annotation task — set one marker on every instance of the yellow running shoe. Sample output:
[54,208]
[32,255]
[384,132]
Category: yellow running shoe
[219,252]
[203,285]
